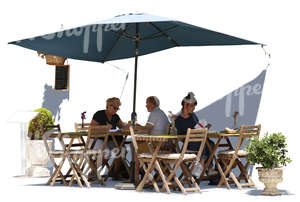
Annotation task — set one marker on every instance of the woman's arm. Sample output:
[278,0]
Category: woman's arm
[94,123]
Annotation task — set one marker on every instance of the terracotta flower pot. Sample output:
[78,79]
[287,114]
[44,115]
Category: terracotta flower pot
[270,177]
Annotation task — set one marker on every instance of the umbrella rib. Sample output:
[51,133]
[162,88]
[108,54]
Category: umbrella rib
[152,37]
[110,50]
[164,34]
[125,33]
[155,35]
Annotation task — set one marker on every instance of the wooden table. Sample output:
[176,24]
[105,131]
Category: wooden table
[213,148]
[159,140]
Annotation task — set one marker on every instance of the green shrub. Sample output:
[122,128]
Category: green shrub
[269,151]
[39,122]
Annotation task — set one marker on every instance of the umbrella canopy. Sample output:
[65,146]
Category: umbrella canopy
[126,36]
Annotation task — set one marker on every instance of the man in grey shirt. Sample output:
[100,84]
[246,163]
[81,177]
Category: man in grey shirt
[157,121]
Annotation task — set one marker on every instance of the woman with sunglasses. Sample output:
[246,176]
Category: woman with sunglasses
[110,117]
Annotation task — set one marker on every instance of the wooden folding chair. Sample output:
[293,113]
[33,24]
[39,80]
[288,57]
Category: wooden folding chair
[55,154]
[185,161]
[142,148]
[147,162]
[79,145]
[232,158]
[85,156]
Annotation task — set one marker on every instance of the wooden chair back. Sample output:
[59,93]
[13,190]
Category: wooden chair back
[247,132]
[96,131]
[140,130]
[250,131]
[52,129]
[79,127]
[136,145]
[195,135]
[47,131]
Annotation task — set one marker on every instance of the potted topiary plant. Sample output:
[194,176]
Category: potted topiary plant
[39,122]
[36,154]
[270,152]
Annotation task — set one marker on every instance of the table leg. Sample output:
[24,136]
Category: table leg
[212,156]
[229,143]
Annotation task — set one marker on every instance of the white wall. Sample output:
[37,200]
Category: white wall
[210,72]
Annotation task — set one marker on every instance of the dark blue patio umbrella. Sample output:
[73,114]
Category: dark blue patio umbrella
[126,36]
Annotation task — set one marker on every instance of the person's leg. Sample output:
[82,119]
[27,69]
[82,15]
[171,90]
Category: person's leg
[118,170]
[100,159]
[202,162]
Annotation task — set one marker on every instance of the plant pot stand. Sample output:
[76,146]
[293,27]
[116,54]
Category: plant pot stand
[37,158]
[270,178]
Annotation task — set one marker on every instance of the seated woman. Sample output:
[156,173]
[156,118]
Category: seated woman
[188,119]
[110,117]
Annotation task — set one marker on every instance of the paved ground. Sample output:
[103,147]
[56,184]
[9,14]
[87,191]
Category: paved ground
[34,189]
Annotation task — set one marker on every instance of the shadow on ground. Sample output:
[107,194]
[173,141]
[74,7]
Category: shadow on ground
[109,184]
[258,192]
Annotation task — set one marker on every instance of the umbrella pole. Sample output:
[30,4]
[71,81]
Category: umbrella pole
[133,114]
[134,164]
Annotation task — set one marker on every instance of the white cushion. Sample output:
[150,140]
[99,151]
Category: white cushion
[76,152]
[231,152]
[145,155]
[176,156]
[191,152]
[57,152]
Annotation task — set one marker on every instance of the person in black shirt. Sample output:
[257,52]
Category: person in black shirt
[110,117]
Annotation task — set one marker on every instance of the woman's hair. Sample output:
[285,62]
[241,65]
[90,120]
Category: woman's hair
[113,101]
[190,99]
[154,100]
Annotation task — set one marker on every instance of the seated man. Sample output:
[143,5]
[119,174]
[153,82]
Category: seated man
[157,120]
[157,123]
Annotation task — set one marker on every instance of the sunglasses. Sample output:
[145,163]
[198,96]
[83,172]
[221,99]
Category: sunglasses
[115,108]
